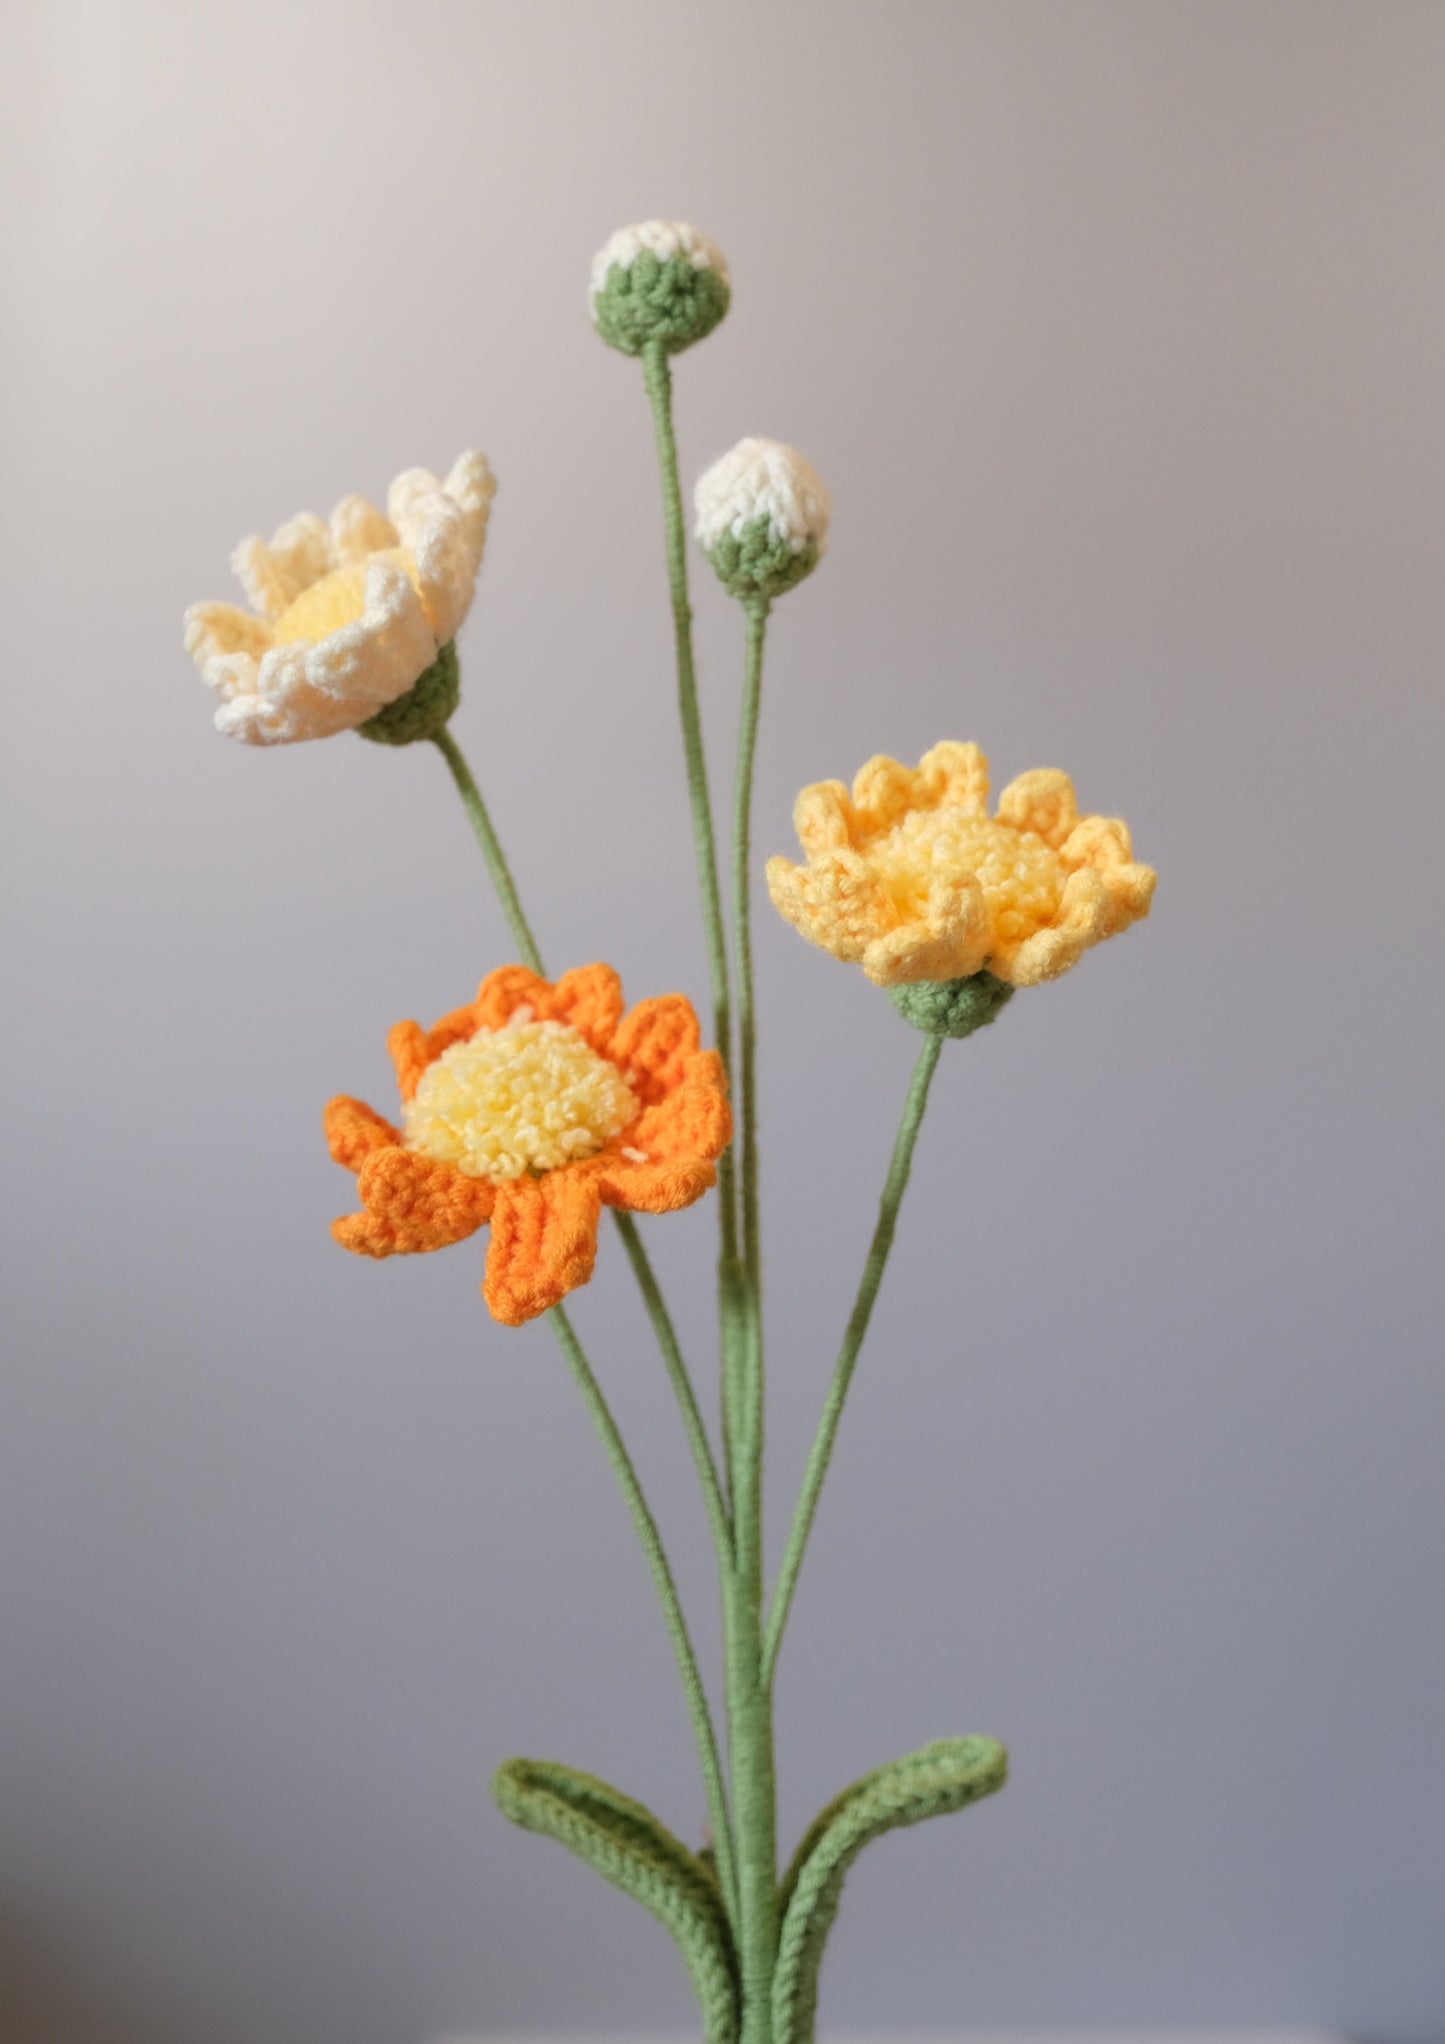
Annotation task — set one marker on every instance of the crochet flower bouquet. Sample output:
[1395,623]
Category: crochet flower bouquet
[539,1102]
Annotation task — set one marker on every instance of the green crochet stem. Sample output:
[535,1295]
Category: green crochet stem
[692,1420]
[637,1256]
[652,1547]
[750,1712]
[492,851]
[894,1187]
[657,377]
[757,616]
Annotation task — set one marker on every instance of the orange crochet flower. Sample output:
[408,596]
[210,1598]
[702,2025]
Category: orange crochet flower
[532,1107]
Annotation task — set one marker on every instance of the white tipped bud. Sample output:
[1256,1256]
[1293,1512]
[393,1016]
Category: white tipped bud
[762,517]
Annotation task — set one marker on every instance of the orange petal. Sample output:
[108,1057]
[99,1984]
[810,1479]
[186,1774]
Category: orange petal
[653,1044]
[666,1159]
[412,1204]
[354,1131]
[590,1000]
[511,987]
[544,1242]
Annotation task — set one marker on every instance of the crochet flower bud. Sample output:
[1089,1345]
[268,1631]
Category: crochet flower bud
[658,283]
[762,518]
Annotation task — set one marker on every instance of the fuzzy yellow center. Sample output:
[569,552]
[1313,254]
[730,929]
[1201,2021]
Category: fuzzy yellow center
[335,600]
[1021,877]
[527,1097]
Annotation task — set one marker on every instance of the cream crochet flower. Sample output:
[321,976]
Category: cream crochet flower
[347,615]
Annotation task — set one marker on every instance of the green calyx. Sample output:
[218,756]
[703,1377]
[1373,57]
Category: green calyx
[668,301]
[951,1007]
[423,711]
[757,562]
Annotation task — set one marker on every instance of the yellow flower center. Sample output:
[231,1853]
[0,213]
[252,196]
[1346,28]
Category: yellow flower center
[1021,877]
[527,1097]
[337,599]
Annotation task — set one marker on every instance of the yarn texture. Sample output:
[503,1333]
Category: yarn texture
[762,518]
[627,1845]
[661,284]
[911,878]
[951,1007]
[469,1157]
[930,1783]
[424,710]
[350,614]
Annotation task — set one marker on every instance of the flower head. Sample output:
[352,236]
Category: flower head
[912,879]
[661,281]
[531,1108]
[352,619]
[762,517]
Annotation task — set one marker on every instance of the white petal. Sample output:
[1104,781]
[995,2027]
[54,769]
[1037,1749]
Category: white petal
[213,629]
[471,484]
[274,576]
[406,502]
[662,238]
[446,565]
[305,691]
[763,479]
[358,529]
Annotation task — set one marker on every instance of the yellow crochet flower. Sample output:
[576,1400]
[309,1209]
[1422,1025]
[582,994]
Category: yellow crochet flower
[912,879]
[347,614]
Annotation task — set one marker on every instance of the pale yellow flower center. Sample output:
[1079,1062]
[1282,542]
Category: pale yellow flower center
[528,1097]
[337,599]
[1021,878]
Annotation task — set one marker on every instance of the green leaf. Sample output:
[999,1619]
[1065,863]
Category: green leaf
[629,1847]
[929,1783]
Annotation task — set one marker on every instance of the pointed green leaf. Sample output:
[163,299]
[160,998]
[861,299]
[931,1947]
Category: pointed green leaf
[929,1783]
[629,1847]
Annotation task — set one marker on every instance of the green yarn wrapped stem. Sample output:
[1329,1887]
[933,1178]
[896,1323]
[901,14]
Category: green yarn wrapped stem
[657,377]
[506,891]
[894,1187]
[664,303]
[952,1007]
[423,711]
[486,836]
[665,1584]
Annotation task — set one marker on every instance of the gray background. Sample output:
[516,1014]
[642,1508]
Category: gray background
[1117,330]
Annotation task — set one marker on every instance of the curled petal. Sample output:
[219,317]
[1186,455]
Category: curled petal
[590,1000]
[1083,920]
[543,1243]
[1042,801]
[412,1204]
[654,1043]
[667,1158]
[835,901]
[506,990]
[410,503]
[949,939]
[358,530]
[471,484]
[823,817]
[214,630]
[355,1131]
[884,791]
[274,576]
[446,568]
[954,775]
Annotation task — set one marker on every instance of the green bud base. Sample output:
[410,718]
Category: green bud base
[669,302]
[951,1007]
[423,711]
[754,562]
